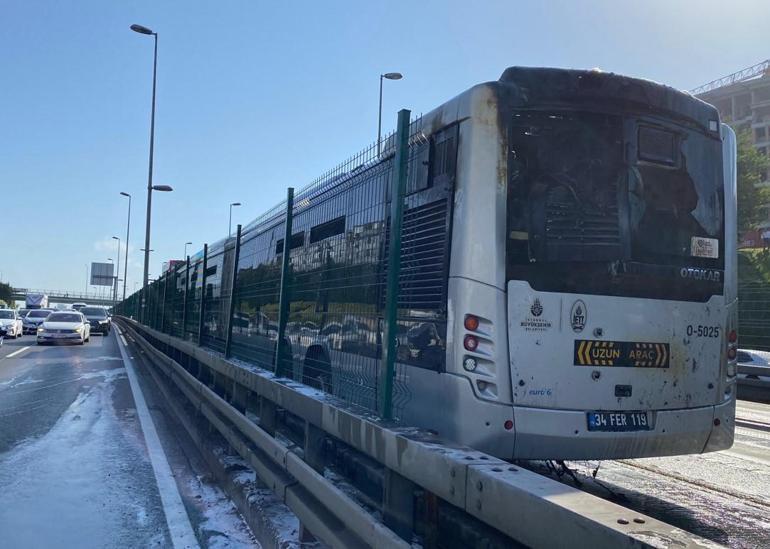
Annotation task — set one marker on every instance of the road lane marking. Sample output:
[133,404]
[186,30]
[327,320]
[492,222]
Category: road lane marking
[13,354]
[123,339]
[180,529]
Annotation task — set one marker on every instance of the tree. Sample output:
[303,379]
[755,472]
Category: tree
[6,292]
[751,195]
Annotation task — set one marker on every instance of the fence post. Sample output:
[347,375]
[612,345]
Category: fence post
[186,291]
[172,318]
[388,366]
[150,305]
[284,299]
[229,337]
[163,304]
[156,318]
[203,292]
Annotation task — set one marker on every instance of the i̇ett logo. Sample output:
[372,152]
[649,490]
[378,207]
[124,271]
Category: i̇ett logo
[578,316]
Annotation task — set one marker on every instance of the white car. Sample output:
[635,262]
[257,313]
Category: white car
[753,363]
[64,326]
[752,357]
[10,324]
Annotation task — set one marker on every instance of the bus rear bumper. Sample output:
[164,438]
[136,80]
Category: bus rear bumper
[564,434]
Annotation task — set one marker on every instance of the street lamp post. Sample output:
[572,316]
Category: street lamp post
[144,30]
[185,249]
[150,187]
[117,272]
[113,262]
[230,222]
[389,76]
[128,228]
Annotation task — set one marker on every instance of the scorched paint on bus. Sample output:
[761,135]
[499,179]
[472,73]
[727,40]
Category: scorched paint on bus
[568,281]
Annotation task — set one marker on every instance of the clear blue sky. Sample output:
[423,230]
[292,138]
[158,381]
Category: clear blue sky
[257,96]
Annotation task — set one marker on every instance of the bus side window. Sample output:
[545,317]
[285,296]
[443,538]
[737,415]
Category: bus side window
[417,172]
[443,161]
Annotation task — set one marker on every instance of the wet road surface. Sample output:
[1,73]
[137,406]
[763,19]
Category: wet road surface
[74,464]
[722,496]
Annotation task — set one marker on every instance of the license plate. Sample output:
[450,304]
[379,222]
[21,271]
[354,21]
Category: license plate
[619,421]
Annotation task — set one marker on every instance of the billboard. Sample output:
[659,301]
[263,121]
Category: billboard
[102,274]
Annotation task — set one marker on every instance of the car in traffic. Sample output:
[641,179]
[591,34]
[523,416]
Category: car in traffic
[10,324]
[34,319]
[23,312]
[64,327]
[753,363]
[98,318]
[78,306]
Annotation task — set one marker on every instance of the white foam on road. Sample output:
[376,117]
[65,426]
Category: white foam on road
[75,485]
[178,522]
[13,354]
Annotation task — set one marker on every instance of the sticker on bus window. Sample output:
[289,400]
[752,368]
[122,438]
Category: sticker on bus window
[704,247]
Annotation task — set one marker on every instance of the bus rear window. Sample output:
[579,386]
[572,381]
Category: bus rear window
[656,145]
[603,204]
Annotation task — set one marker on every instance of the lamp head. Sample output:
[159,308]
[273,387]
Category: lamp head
[141,30]
[393,75]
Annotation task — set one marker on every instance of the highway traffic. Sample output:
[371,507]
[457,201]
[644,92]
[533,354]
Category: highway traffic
[74,452]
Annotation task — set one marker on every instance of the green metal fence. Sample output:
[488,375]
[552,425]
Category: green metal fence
[754,315]
[310,303]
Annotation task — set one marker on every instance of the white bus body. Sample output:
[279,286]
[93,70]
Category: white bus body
[529,396]
[568,280]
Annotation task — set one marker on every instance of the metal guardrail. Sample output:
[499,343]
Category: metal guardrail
[756,387]
[758,371]
[485,492]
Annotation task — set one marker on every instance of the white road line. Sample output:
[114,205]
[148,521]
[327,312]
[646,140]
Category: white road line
[13,354]
[123,339]
[178,522]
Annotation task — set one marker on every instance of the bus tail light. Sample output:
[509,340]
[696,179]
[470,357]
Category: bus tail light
[471,323]
[470,343]
[732,352]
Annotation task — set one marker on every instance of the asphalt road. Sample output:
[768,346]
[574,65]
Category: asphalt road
[722,496]
[75,469]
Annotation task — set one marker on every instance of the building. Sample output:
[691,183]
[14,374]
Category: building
[743,101]
[171,264]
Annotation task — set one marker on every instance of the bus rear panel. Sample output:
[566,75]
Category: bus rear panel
[619,268]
